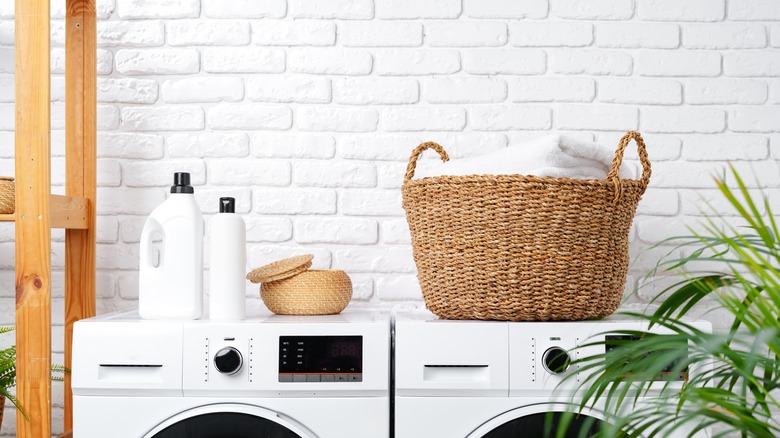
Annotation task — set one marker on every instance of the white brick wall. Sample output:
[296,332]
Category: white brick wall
[590,62]
[130,33]
[640,91]
[635,35]
[249,116]
[294,33]
[381,34]
[466,34]
[243,60]
[552,89]
[211,33]
[349,62]
[724,36]
[203,89]
[678,63]
[550,34]
[681,10]
[502,61]
[157,61]
[306,112]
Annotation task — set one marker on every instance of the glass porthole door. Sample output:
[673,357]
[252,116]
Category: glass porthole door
[229,421]
[541,421]
[546,425]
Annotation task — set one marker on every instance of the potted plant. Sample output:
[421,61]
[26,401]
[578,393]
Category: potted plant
[736,391]
[8,376]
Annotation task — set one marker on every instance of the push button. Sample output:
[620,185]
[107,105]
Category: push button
[327,378]
[342,378]
[355,377]
[285,377]
[312,377]
[299,377]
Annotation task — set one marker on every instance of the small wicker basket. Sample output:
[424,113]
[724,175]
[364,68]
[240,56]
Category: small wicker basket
[288,287]
[308,293]
[7,195]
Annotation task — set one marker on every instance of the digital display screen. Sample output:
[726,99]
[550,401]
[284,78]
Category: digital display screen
[320,354]
[673,372]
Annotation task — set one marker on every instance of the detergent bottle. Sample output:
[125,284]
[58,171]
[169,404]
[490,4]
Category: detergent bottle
[227,285]
[171,267]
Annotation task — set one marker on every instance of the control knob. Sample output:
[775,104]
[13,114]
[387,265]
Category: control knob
[556,360]
[228,360]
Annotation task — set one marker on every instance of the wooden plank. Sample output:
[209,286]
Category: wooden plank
[64,212]
[69,212]
[81,172]
[33,233]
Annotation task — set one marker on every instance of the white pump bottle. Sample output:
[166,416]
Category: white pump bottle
[171,273]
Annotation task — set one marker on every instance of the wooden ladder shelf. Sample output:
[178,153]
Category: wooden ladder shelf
[37,211]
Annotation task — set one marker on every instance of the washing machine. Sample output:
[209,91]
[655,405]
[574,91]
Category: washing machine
[486,379]
[269,377]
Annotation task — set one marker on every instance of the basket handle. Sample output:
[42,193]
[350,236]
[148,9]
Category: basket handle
[614,173]
[416,154]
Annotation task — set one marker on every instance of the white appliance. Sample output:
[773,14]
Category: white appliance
[277,376]
[474,379]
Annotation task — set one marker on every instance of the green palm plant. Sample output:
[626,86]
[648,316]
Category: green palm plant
[736,387]
[7,368]
[8,373]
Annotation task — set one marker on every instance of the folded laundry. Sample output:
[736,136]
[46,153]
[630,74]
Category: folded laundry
[554,155]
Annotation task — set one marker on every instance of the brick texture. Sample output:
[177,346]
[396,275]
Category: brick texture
[307,112]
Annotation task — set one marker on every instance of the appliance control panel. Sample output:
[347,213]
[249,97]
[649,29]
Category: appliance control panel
[674,372]
[288,357]
[320,359]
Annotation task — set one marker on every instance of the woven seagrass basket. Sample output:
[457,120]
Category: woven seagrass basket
[288,287]
[311,292]
[522,248]
[7,195]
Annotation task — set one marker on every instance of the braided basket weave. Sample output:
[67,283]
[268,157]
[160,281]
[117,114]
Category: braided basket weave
[288,287]
[7,195]
[522,248]
[313,292]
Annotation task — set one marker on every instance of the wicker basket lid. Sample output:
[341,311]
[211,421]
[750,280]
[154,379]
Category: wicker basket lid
[6,178]
[280,269]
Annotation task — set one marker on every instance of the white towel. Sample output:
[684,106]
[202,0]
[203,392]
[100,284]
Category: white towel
[554,155]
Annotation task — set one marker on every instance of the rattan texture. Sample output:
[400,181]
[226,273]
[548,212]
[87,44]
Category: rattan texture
[315,292]
[7,195]
[522,248]
[280,269]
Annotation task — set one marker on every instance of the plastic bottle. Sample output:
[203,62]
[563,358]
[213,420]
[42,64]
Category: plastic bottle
[171,272]
[227,286]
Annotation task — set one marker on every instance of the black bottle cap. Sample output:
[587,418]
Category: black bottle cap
[227,205]
[181,183]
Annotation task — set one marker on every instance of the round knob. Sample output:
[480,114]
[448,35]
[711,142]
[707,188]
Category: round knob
[228,360]
[556,360]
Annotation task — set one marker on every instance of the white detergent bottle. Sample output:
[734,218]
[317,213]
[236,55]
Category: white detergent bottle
[171,270]
[227,285]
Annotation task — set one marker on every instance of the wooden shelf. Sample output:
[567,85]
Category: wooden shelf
[69,212]
[42,210]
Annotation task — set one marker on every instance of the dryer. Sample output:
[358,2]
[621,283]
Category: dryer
[276,376]
[490,379]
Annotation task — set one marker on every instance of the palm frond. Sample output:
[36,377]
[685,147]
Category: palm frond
[737,373]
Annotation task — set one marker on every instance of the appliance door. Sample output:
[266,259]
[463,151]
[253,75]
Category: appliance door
[541,420]
[229,420]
